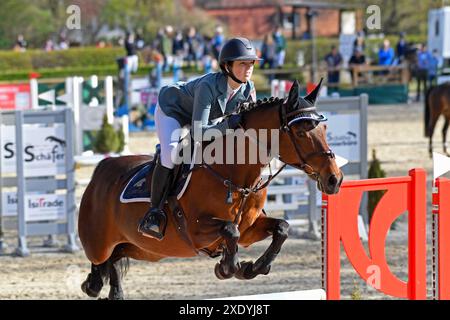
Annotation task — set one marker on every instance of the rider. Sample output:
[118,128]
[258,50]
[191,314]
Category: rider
[197,102]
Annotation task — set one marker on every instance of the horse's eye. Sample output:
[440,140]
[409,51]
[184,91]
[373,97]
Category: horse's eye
[301,134]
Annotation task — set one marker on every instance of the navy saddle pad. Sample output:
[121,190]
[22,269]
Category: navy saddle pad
[137,189]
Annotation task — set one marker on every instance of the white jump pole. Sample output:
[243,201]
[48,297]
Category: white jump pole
[317,294]
[77,100]
[109,92]
[34,94]
[126,133]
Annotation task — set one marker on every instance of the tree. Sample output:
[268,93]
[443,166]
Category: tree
[38,20]
[375,171]
[27,18]
[106,140]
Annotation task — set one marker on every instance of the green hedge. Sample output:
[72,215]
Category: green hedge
[48,73]
[75,57]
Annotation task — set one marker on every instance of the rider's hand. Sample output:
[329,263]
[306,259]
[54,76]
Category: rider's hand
[234,121]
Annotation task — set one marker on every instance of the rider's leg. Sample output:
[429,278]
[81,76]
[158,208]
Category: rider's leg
[154,222]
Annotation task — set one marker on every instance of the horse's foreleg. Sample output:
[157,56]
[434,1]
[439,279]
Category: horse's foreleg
[94,282]
[444,136]
[260,230]
[229,263]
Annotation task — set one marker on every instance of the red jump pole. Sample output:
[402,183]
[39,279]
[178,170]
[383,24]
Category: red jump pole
[441,250]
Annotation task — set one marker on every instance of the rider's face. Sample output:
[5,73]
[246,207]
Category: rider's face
[243,70]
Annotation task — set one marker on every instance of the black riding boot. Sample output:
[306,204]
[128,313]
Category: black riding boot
[154,222]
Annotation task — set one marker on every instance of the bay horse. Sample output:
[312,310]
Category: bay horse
[108,228]
[437,103]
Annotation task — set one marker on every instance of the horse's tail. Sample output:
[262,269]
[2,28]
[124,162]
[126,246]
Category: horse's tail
[427,107]
[123,264]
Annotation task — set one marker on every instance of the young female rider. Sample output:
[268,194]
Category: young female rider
[197,103]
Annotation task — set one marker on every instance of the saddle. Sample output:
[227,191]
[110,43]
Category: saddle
[139,185]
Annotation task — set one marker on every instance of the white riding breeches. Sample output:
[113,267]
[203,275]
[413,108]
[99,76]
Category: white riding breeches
[169,132]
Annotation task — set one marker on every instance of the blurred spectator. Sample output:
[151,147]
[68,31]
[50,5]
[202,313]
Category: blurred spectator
[217,42]
[166,46]
[423,67]
[334,61]
[21,44]
[195,44]
[386,54]
[49,45]
[280,43]
[358,59]
[100,44]
[178,48]
[132,57]
[178,51]
[140,43]
[268,54]
[63,43]
[359,43]
[207,59]
[401,48]
[434,65]
[121,42]
[156,73]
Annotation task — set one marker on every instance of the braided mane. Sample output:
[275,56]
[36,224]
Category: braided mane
[249,106]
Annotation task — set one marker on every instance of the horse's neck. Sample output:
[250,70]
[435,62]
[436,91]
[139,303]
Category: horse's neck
[242,175]
[248,174]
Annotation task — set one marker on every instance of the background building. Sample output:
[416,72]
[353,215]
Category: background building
[255,18]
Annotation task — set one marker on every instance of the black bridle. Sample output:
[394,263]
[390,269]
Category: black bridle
[285,127]
[259,185]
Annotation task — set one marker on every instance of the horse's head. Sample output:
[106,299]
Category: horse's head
[303,141]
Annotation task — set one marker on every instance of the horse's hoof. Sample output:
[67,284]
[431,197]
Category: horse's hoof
[265,271]
[91,293]
[220,274]
[245,272]
[115,295]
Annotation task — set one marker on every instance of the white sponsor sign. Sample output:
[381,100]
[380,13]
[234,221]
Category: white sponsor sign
[38,207]
[344,135]
[44,150]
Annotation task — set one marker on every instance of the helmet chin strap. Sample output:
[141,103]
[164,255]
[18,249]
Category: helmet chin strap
[231,75]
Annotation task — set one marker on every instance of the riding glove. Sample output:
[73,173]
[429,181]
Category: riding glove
[234,121]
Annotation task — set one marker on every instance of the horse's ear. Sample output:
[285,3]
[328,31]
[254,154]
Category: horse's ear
[312,96]
[294,93]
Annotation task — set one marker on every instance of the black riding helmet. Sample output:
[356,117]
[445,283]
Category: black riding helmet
[236,49]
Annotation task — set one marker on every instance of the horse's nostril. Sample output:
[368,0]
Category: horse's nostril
[332,180]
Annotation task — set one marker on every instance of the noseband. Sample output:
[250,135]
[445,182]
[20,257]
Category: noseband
[304,166]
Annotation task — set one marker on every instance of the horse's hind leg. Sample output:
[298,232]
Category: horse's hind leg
[118,266]
[444,136]
[115,277]
[435,110]
[94,282]
[229,263]
[431,128]
[260,230]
